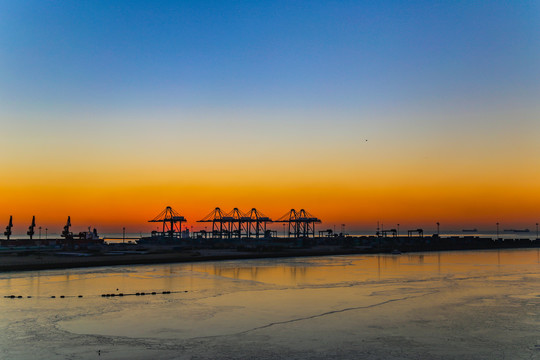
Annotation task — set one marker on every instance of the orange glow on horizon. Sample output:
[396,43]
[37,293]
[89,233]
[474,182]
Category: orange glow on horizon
[111,207]
[412,177]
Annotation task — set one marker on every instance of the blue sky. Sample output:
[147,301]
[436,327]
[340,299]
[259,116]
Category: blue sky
[267,54]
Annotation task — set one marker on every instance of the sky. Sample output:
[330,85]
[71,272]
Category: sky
[410,112]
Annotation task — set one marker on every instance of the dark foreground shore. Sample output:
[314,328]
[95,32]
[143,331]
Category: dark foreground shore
[47,261]
[51,261]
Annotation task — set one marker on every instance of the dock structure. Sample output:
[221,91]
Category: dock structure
[236,224]
[301,223]
[171,222]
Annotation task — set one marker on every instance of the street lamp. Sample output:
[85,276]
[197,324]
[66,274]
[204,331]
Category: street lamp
[438,231]
[497,231]
[40,233]
[398,230]
[46,233]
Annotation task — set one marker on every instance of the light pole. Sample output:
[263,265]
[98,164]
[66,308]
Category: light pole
[46,233]
[438,230]
[497,231]
[398,230]
[284,230]
[40,233]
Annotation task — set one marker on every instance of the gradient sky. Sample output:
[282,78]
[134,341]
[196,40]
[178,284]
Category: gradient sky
[406,112]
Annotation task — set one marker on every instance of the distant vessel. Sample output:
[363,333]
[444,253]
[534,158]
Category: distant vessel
[469,230]
[517,230]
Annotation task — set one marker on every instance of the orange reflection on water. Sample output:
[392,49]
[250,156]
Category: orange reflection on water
[315,271]
[339,269]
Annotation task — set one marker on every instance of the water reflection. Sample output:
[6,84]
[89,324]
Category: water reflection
[366,268]
[413,299]
[266,273]
[279,272]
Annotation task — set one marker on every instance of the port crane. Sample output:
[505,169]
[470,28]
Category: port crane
[66,233]
[256,223]
[216,218]
[30,231]
[171,222]
[236,223]
[301,223]
[7,233]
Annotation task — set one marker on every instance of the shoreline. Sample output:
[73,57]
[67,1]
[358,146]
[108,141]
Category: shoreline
[43,261]
[51,262]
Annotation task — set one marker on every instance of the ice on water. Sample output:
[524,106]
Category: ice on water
[454,305]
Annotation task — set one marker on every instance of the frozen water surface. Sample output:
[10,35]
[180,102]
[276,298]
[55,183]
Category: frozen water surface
[454,305]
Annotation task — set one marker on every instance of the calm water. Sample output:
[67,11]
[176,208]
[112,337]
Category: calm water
[455,305]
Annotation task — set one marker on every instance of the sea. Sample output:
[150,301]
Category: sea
[433,305]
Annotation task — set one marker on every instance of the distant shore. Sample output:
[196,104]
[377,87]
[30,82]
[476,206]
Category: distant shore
[50,261]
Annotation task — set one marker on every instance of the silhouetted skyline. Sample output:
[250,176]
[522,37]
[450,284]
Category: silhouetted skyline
[111,111]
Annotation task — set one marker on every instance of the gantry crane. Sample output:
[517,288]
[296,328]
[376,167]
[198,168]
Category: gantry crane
[171,223]
[301,223]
